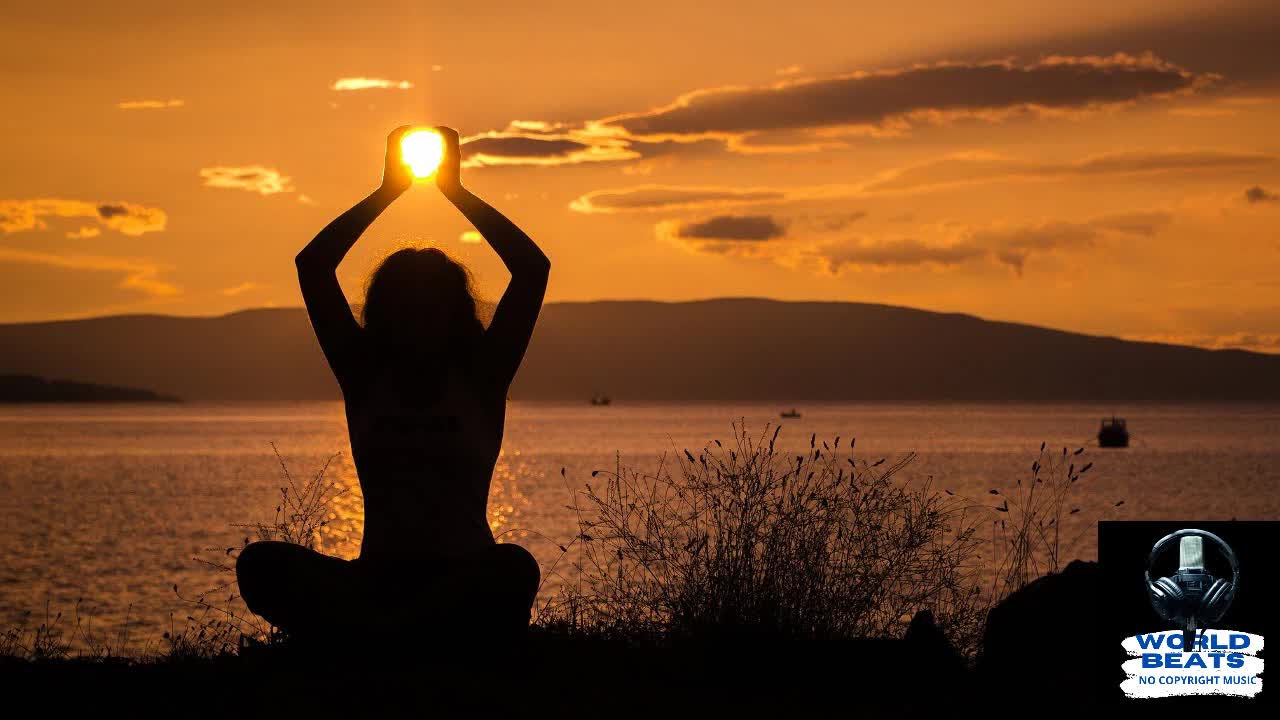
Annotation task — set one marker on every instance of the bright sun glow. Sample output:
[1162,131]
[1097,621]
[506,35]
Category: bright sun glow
[421,151]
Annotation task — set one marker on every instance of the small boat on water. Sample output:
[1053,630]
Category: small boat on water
[600,400]
[791,414]
[1113,433]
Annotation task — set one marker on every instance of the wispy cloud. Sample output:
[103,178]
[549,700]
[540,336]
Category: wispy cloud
[1204,111]
[1013,245]
[1252,341]
[369,83]
[895,252]
[139,275]
[253,178]
[964,168]
[150,104]
[123,217]
[967,168]
[531,143]
[84,232]
[937,247]
[241,289]
[649,198]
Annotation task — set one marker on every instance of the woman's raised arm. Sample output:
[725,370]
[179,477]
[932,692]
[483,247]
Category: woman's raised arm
[517,312]
[336,329]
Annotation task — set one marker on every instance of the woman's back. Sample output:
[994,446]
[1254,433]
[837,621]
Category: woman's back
[425,443]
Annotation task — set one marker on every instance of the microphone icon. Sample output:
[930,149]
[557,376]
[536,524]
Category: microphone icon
[1191,578]
[1191,598]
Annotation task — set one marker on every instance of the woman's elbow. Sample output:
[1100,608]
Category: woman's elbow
[308,259]
[535,265]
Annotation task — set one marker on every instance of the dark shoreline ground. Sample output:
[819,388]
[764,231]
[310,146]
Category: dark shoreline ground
[1042,654]
[549,671]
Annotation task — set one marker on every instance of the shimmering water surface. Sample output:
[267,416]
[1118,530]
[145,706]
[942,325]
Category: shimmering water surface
[114,505]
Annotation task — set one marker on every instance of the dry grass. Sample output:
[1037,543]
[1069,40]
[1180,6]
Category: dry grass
[1036,528]
[740,538]
[217,627]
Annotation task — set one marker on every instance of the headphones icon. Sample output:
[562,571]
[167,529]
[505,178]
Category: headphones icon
[1192,598]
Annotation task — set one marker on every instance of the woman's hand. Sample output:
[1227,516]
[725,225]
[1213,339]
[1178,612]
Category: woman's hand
[396,176]
[448,177]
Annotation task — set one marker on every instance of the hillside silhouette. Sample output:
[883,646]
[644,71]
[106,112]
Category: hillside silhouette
[32,389]
[714,350]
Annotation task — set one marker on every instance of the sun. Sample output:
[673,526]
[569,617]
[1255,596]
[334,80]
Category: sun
[422,150]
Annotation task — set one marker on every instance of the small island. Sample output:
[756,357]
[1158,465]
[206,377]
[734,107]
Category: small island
[15,389]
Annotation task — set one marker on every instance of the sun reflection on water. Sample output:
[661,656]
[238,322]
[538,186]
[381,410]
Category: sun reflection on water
[507,505]
[341,536]
[506,500]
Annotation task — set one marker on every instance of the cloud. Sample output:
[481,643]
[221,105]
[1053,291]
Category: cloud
[150,104]
[541,126]
[123,217]
[131,219]
[241,289]
[545,143]
[369,83]
[1013,245]
[893,100]
[955,169]
[977,167]
[1204,111]
[838,221]
[1252,341]
[753,228]
[724,234]
[139,276]
[811,114]
[1234,39]
[939,247]
[528,144]
[254,178]
[1139,224]
[666,197]
[893,253]
[1256,195]
[84,232]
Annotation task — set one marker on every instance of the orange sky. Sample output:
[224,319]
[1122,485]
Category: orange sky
[1106,167]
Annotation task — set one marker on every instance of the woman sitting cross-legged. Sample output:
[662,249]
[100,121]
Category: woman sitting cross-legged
[425,388]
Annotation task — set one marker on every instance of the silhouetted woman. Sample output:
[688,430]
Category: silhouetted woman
[425,387]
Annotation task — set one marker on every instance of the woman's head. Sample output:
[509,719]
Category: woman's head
[420,299]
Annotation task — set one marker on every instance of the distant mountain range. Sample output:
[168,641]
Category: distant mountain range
[32,389]
[714,350]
